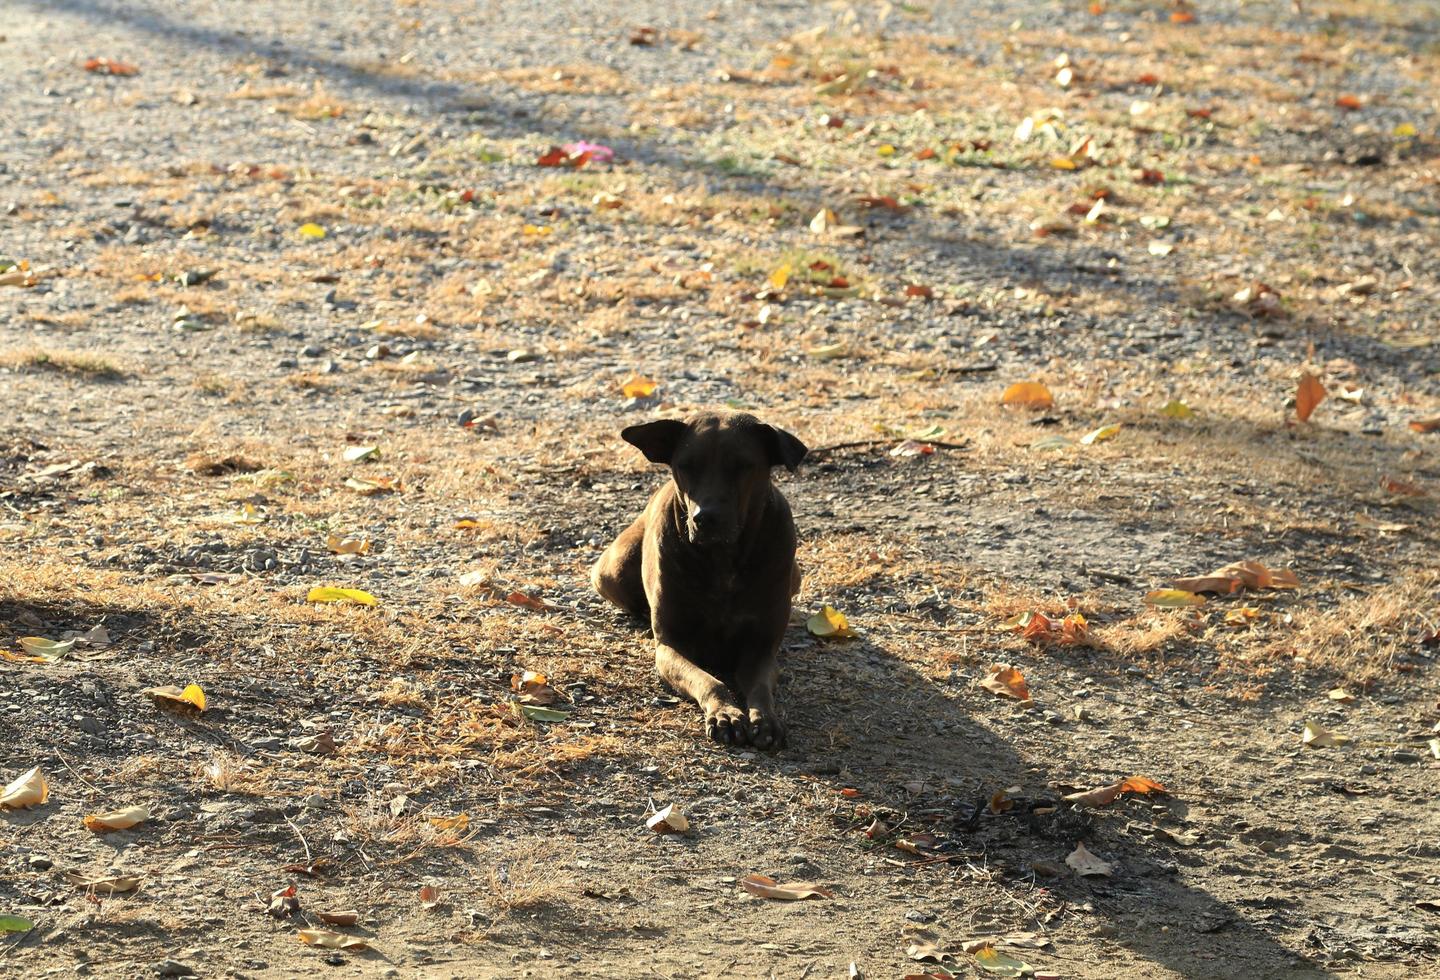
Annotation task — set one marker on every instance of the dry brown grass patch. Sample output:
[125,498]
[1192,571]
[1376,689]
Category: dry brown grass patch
[1366,637]
[528,875]
[81,364]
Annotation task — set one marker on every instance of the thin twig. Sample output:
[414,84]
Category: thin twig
[308,859]
[866,443]
[66,763]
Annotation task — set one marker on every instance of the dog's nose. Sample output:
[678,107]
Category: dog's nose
[705,520]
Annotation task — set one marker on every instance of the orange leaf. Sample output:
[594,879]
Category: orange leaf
[1007,681]
[1349,103]
[1182,17]
[925,292]
[1426,425]
[1141,785]
[1308,395]
[1401,488]
[528,601]
[1028,394]
[553,157]
[769,888]
[104,66]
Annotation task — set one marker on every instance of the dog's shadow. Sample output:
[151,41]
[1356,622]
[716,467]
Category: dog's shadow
[908,745]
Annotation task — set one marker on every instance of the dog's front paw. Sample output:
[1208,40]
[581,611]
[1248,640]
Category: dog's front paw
[726,723]
[767,731]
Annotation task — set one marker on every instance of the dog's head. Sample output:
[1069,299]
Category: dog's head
[721,465]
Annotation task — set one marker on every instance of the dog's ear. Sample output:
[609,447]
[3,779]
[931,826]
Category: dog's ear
[657,440]
[782,448]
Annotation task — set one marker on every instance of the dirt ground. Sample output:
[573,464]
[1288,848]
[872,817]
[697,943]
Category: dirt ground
[294,232]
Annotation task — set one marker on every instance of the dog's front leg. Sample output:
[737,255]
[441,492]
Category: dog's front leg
[724,719]
[756,680]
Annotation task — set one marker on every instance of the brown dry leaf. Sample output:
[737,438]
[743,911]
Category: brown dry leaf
[1028,394]
[458,822]
[1341,695]
[928,952]
[1243,615]
[328,939]
[518,598]
[758,884]
[533,688]
[117,819]
[30,789]
[1426,425]
[1105,795]
[429,896]
[638,386]
[1308,394]
[113,885]
[1086,864]
[1008,681]
[1350,103]
[668,821]
[1402,488]
[348,917]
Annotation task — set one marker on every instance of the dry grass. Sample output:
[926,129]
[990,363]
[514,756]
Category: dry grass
[80,364]
[529,875]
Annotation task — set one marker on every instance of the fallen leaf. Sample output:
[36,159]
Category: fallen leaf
[15,923]
[1243,615]
[347,546]
[458,822]
[1086,864]
[1434,746]
[757,884]
[668,821]
[1402,488]
[533,688]
[1238,575]
[1100,434]
[1426,425]
[823,221]
[39,650]
[1173,598]
[1308,394]
[830,624]
[356,453]
[1105,795]
[780,277]
[1008,681]
[284,902]
[1350,103]
[371,485]
[311,230]
[1160,249]
[429,896]
[1317,737]
[328,939]
[1341,695]
[535,712]
[913,447]
[1177,410]
[638,386]
[332,593]
[1182,17]
[828,352]
[518,598]
[28,790]
[105,66]
[190,697]
[928,952]
[347,917]
[1028,394]
[591,152]
[993,961]
[926,292]
[117,819]
[1404,130]
[114,885]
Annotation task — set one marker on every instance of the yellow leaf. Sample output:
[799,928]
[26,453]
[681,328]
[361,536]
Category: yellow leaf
[28,790]
[780,276]
[885,150]
[311,230]
[828,352]
[1405,129]
[371,485]
[536,231]
[347,546]
[1028,394]
[1317,737]
[993,961]
[329,939]
[830,624]
[1243,615]
[1173,598]
[331,593]
[117,819]
[1064,163]
[1100,434]
[458,822]
[638,386]
[1177,410]
[1341,695]
[191,696]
